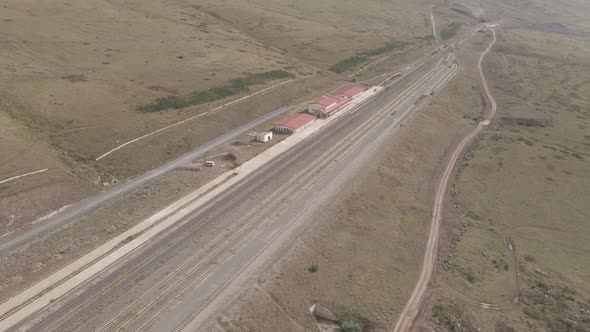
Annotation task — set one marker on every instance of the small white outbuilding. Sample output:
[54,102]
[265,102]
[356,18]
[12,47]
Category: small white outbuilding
[264,137]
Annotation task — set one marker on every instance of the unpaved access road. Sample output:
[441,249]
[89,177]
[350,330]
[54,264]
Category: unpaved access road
[167,283]
[412,308]
[22,175]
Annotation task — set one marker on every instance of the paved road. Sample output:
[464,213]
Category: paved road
[170,281]
[412,308]
[18,238]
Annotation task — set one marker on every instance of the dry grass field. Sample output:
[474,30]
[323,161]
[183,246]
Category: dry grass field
[72,76]
[55,250]
[323,33]
[517,223]
[22,200]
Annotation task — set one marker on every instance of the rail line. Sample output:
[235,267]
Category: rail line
[231,205]
[224,246]
[279,202]
[273,209]
[210,298]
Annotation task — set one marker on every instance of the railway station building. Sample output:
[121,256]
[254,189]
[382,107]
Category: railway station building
[322,104]
[348,92]
[294,123]
[325,106]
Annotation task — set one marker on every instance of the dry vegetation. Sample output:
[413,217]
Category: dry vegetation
[324,33]
[524,185]
[72,89]
[54,250]
[73,76]
[366,243]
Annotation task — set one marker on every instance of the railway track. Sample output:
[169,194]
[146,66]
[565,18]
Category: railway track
[226,224]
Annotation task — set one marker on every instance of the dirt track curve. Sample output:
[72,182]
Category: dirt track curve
[412,308]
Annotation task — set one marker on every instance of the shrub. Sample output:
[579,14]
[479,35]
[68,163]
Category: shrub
[350,326]
[233,87]
[313,268]
[359,58]
[502,326]
[165,103]
[75,78]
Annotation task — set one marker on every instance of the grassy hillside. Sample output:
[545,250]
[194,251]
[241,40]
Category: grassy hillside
[517,222]
[74,75]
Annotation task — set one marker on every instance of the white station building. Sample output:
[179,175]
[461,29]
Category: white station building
[264,137]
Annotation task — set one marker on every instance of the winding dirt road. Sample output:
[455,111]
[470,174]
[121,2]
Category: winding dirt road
[412,308]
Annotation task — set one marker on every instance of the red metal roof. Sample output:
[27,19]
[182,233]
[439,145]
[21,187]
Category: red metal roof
[296,120]
[349,91]
[325,100]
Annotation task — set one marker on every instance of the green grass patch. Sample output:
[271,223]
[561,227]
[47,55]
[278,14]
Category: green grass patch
[233,87]
[450,30]
[359,58]
[75,78]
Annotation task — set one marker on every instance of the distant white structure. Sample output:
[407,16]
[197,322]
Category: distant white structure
[264,137]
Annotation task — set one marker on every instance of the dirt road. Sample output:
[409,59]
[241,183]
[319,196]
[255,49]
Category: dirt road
[22,176]
[412,308]
[434,23]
